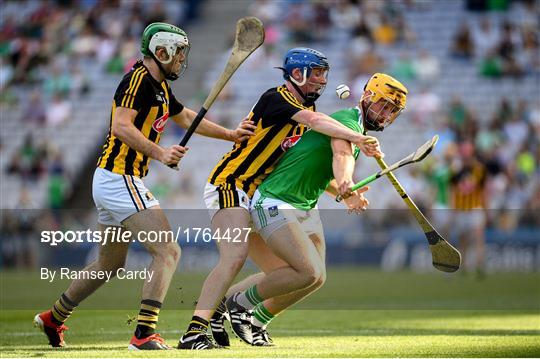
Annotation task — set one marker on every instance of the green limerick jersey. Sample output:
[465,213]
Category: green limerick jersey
[305,170]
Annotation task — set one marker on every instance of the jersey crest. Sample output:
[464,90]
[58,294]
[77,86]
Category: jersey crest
[289,142]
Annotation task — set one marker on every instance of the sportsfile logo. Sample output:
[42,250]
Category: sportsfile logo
[115,235]
[159,124]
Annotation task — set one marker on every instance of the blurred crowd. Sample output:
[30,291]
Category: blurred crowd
[47,48]
[46,44]
[510,49]
[506,148]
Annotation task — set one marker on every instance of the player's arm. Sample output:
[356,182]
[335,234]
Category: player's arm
[333,188]
[209,129]
[343,169]
[124,129]
[325,124]
[342,164]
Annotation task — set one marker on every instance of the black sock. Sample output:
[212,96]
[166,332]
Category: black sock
[148,318]
[196,326]
[62,309]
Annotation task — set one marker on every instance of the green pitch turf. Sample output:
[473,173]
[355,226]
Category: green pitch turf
[358,313]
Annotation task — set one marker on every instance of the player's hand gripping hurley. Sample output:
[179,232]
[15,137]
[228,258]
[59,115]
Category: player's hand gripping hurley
[416,156]
[249,36]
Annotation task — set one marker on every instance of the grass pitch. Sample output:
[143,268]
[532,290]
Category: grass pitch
[438,316]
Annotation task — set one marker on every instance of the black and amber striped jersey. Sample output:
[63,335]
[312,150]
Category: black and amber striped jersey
[468,186]
[154,103]
[249,162]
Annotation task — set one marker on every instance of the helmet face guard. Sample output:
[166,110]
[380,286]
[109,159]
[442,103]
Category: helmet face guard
[306,73]
[385,100]
[173,39]
[381,114]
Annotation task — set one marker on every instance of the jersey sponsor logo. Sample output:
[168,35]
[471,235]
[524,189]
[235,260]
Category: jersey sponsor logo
[150,196]
[159,124]
[289,142]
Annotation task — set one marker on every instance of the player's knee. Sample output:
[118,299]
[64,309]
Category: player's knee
[174,253]
[311,276]
[168,255]
[233,264]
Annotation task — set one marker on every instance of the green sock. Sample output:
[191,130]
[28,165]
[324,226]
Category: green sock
[261,316]
[249,298]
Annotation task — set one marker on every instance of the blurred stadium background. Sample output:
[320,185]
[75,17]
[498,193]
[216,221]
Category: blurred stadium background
[472,68]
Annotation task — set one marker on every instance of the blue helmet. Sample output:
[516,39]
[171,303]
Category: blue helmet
[303,58]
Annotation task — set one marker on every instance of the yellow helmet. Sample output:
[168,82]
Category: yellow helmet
[392,92]
[386,87]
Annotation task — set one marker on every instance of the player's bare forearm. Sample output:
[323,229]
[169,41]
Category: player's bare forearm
[206,128]
[209,129]
[325,124]
[125,131]
[343,167]
[342,161]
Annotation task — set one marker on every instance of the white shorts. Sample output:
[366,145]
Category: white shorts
[119,196]
[468,221]
[270,214]
[224,196]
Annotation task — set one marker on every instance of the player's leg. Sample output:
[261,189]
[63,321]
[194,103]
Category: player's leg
[461,229]
[261,254]
[266,311]
[232,256]
[165,256]
[293,246]
[129,202]
[275,305]
[165,252]
[263,257]
[285,236]
[479,240]
[111,257]
[265,260]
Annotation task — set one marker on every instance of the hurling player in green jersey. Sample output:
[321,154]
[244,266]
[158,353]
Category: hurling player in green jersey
[284,210]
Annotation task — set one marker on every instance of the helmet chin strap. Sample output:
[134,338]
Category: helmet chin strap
[169,76]
[303,82]
[297,88]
